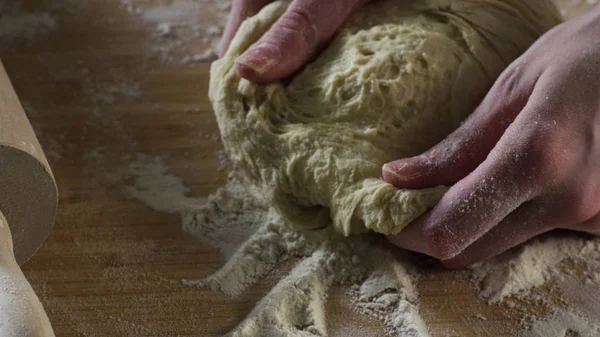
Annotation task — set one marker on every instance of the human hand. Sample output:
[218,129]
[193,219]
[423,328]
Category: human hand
[525,162]
[300,33]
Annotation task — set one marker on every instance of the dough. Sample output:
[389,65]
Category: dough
[396,79]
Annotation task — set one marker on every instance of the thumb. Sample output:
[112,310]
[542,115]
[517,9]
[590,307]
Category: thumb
[294,39]
[240,11]
[463,150]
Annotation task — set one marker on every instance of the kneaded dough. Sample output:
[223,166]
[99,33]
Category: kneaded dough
[397,78]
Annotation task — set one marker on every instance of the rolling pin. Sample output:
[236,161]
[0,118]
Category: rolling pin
[28,201]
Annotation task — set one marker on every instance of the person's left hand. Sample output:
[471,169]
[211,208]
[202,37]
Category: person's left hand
[525,162]
[296,37]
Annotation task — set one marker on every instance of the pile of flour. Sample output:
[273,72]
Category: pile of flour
[255,240]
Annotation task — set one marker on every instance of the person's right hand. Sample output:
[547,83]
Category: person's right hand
[300,33]
[527,161]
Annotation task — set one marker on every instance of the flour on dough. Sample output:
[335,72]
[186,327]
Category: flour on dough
[397,78]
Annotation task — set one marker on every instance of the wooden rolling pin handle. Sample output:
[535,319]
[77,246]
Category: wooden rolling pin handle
[28,201]
[28,193]
[21,313]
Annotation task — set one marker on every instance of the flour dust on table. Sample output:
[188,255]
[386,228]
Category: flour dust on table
[383,282]
[255,240]
[181,35]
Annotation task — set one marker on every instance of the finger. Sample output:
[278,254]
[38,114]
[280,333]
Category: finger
[466,212]
[464,149]
[510,175]
[240,11]
[528,221]
[294,39]
[412,238]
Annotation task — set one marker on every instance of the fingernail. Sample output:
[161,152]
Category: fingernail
[401,170]
[405,170]
[260,58]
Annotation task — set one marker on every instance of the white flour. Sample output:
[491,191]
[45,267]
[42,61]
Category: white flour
[567,265]
[185,31]
[255,240]
[389,294]
[116,86]
[516,272]
[564,323]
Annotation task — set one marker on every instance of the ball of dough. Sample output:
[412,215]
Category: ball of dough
[397,78]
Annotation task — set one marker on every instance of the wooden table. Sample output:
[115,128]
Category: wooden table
[97,94]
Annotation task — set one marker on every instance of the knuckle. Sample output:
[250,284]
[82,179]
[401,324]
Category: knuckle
[544,157]
[299,27]
[509,81]
[515,83]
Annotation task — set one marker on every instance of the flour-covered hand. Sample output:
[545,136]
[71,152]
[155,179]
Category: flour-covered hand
[294,39]
[527,161]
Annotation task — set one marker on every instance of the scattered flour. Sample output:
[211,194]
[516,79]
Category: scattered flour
[185,31]
[564,323]
[254,240]
[155,186]
[106,93]
[389,294]
[518,271]
[568,266]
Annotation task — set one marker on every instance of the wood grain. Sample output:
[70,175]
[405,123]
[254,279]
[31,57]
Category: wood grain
[114,267]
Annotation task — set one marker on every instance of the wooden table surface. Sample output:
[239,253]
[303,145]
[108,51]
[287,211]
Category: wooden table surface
[100,94]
